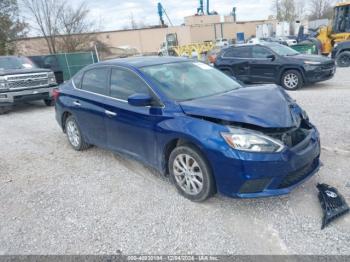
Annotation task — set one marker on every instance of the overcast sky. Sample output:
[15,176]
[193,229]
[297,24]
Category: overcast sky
[115,14]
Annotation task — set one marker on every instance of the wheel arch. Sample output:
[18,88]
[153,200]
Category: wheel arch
[181,141]
[285,69]
[64,117]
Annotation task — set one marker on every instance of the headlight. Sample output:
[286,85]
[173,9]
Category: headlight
[247,140]
[335,45]
[52,78]
[2,82]
[312,63]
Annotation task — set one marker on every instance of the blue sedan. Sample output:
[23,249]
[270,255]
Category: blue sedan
[192,122]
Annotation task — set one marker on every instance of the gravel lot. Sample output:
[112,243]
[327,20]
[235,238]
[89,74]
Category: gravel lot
[54,200]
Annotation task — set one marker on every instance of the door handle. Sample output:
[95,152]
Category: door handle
[110,113]
[76,103]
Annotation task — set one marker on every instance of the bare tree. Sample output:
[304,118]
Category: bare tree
[285,10]
[133,24]
[76,29]
[64,27]
[321,9]
[46,15]
[301,9]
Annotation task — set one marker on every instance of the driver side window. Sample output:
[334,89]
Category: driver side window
[125,83]
[261,52]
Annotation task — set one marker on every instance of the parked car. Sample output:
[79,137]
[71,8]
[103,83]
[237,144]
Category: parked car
[21,80]
[255,41]
[290,40]
[221,42]
[274,63]
[50,62]
[192,121]
[341,53]
[274,40]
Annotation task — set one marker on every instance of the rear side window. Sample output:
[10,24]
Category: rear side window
[96,81]
[77,79]
[125,83]
[239,52]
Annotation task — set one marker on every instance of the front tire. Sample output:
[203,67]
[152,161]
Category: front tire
[191,173]
[4,110]
[74,134]
[292,80]
[343,59]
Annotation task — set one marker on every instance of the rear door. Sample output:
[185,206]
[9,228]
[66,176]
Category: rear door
[89,105]
[129,128]
[262,67]
[235,61]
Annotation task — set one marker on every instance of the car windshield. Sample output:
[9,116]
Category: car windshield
[283,50]
[190,80]
[15,63]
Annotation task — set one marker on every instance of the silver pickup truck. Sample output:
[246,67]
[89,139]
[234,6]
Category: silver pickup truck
[21,81]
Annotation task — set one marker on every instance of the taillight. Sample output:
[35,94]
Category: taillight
[55,93]
[212,58]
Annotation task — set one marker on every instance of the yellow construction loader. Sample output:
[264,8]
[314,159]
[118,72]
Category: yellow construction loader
[335,38]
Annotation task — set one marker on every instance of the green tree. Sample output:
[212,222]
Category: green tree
[10,26]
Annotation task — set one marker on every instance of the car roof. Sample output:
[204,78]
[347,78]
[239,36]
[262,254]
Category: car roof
[142,61]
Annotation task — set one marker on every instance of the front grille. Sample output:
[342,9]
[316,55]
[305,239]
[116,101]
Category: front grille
[27,81]
[292,137]
[27,84]
[297,176]
[327,66]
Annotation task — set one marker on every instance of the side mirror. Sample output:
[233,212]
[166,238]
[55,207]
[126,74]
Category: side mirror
[139,99]
[271,57]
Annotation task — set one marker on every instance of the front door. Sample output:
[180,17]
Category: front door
[131,129]
[263,65]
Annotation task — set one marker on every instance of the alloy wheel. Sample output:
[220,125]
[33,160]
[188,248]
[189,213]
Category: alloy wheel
[188,174]
[291,80]
[344,61]
[73,133]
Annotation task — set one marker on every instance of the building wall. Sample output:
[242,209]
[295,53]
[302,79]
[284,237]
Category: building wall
[149,40]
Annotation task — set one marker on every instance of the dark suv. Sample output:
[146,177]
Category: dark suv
[274,63]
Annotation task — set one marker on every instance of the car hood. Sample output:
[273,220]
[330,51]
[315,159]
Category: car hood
[267,106]
[4,72]
[313,58]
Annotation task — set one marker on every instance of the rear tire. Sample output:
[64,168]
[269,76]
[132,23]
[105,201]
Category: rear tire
[343,59]
[292,80]
[74,135]
[49,102]
[191,173]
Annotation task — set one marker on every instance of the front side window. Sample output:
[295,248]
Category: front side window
[77,79]
[260,52]
[96,81]
[125,83]
[189,80]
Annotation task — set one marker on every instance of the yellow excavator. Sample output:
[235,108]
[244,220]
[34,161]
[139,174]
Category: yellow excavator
[335,38]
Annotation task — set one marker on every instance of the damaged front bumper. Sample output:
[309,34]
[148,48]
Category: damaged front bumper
[251,175]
